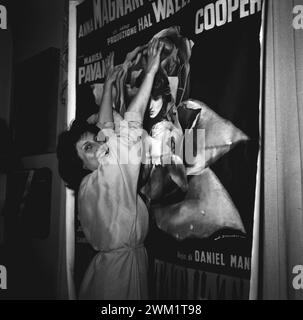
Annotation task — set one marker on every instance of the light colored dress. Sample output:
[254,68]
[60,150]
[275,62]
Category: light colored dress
[115,219]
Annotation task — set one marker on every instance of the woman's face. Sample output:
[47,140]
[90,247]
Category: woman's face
[155,107]
[169,57]
[87,148]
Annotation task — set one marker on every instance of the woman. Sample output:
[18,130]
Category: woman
[113,216]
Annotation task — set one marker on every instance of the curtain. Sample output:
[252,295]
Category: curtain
[282,223]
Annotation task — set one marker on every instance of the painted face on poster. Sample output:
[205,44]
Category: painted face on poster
[3,17]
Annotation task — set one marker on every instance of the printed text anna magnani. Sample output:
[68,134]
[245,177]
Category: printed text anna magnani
[212,15]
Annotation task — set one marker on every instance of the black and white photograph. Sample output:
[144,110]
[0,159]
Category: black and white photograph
[151,151]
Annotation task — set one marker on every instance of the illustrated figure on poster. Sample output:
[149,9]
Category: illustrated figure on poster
[101,158]
[186,199]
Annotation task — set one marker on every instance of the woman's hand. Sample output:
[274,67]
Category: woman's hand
[153,52]
[133,57]
[110,70]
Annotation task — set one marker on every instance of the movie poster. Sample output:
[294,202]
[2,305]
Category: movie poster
[207,91]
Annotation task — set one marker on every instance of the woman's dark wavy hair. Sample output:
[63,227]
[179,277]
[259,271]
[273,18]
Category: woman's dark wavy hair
[70,165]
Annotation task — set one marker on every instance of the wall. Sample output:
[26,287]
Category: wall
[38,25]
[5,74]
[5,97]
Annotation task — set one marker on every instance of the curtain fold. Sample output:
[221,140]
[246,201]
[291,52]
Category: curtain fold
[283,152]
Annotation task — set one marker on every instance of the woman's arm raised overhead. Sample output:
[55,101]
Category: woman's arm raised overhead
[139,103]
[106,109]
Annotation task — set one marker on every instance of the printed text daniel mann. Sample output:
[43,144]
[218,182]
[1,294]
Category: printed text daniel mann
[219,259]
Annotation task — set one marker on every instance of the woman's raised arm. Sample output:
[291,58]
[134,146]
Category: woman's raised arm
[105,114]
[139,103]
